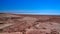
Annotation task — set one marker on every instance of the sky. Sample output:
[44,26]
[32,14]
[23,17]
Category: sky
[30,6]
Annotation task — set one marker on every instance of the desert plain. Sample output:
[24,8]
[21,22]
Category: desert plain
[29,24]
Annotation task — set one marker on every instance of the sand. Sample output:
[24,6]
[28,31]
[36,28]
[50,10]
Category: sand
[29,24]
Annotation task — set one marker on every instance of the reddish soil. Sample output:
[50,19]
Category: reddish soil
[29,24]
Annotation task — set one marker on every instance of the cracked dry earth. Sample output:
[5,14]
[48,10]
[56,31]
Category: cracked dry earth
[29,24]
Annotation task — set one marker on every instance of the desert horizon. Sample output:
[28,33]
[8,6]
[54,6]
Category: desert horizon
[29,16]
[29,24]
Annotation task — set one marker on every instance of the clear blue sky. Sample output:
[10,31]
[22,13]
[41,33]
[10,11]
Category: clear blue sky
[30,6]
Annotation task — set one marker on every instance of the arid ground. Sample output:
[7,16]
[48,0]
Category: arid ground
[29,24]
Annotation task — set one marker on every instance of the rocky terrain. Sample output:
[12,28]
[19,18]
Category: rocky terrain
[29,24]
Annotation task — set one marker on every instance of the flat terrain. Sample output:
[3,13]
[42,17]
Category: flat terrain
[29,24]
